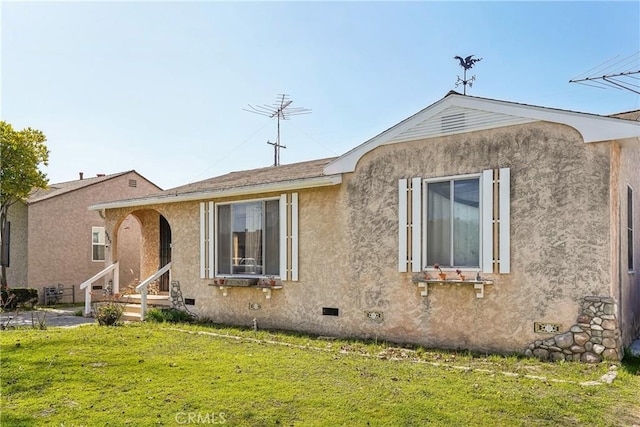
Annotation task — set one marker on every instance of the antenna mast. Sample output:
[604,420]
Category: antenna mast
[280,110]
[623,74]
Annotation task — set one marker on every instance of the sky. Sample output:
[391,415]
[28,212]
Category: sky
[163,87]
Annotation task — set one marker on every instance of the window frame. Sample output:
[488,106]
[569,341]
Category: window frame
[216,237]
[630,230]
[101,233]
[425,242]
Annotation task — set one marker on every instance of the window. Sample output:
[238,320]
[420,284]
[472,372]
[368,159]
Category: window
[98,243]
[630,228]
[248,238]
[453,222]
[457,221]
[251,237]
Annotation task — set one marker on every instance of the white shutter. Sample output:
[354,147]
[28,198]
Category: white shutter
[294,237]
[283,236]
[402,225]
[203,254]
[416,221]
[211,266]
[505,223]
[487,221]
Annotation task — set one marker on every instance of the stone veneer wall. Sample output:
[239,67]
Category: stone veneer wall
[594,337]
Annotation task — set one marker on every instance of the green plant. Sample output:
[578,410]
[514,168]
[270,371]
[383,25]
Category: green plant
[78,313]
[108,313]
[170,315]
[18,297]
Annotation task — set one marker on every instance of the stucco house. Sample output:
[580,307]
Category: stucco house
[56,240]
[538,209]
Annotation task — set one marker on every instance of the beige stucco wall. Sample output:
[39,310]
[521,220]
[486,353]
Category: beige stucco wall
[60,245]
[625,283]
[17,270]
[348,240]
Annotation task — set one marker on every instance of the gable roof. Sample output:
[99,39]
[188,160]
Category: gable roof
[58,189]
[457,113]
[294,176]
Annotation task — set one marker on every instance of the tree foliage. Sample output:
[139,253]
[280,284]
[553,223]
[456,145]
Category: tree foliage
[21,153]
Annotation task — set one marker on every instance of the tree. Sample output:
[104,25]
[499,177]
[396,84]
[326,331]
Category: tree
[21,152]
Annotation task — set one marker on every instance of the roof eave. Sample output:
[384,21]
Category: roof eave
[298,184]
[590,126]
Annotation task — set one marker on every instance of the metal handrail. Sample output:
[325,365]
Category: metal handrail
[87,289]
[142,288]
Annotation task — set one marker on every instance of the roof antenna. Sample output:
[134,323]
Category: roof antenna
[466,63]
[281,110]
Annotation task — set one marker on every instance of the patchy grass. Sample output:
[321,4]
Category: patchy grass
[159,374]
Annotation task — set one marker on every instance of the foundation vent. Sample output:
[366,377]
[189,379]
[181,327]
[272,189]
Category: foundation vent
[190,301]
[330,311]
[546,328]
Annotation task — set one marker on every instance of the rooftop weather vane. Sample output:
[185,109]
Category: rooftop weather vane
[281,110]
[466,63]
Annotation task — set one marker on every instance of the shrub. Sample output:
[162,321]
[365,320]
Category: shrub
[170,315]
[108,313]
[18,297]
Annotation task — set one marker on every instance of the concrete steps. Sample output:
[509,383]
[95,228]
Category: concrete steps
[133,307]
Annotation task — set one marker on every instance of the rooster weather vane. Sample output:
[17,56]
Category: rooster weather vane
[466,63]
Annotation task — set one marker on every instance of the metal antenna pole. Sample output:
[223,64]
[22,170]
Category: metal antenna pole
[280,110]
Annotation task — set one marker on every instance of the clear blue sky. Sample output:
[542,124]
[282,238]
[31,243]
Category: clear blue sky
[160,87]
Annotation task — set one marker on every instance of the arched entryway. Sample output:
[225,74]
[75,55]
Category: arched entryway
[143,247]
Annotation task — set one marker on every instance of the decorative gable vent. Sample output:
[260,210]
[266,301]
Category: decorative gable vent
[133,183]
[453,120]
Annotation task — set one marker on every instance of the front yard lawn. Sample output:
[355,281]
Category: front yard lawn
[150,374]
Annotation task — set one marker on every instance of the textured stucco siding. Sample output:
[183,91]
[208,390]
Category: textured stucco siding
[348,240]
[60,240]
[626,283]
[17,270]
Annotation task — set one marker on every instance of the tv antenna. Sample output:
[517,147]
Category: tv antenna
[466,63]
[622,74]
[281,110]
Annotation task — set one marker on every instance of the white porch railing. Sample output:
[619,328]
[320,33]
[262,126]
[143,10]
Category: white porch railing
[142,288]
[86,285]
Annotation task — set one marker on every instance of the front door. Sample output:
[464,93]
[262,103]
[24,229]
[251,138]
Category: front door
[165,252]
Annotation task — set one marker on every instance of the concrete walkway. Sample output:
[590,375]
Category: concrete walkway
[54,317]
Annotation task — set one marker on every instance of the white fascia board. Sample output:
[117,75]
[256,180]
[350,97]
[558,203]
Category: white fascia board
[299,184]
[593,128]
[348,161]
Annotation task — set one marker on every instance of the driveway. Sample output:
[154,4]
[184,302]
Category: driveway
[54,317]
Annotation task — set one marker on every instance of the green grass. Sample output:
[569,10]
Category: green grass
[159,374]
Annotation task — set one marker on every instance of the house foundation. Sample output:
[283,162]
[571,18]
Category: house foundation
[594,337]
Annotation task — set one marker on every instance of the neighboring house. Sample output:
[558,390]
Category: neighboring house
[539,208]
[55,239]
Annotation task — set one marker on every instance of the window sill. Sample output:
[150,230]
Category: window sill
[478,285]
[225,284]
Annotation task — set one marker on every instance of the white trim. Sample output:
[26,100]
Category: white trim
[202,242]
[294,237]
[298,184]
[402,225]
[593,128]
[505,222]
[416,221]
[283,236]
[212,262]
[486,263]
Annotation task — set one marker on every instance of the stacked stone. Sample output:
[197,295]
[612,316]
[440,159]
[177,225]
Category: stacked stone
[594,337]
